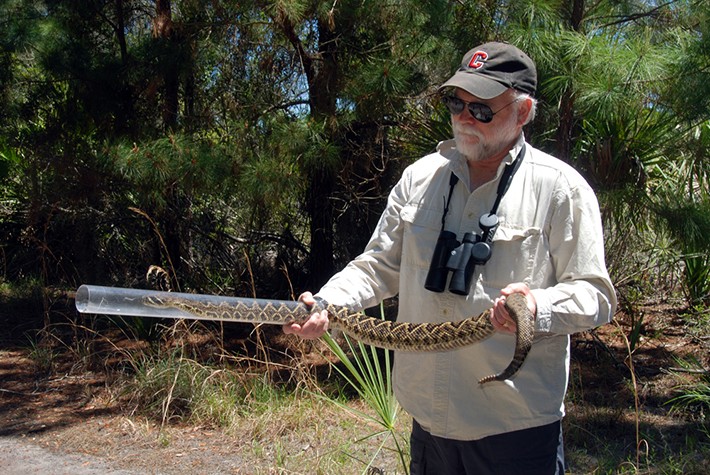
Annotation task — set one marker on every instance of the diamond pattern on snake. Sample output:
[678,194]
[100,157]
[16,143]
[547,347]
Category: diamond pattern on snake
[372,331]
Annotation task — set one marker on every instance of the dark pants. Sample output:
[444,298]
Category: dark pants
[535,451]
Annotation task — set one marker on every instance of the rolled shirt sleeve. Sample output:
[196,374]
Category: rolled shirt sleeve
[583,297]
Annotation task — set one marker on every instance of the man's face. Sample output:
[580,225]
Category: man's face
[479,141]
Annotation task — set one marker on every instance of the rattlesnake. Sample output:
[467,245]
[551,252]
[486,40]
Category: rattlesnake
[377,332]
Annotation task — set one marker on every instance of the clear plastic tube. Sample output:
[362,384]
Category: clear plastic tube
[131,302]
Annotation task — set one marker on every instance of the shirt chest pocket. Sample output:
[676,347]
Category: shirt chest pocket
[421,230]
[517,251]
[515,254]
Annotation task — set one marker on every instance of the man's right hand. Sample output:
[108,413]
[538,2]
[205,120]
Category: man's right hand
[314,327]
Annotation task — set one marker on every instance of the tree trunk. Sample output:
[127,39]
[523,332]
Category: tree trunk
[565,130]
[321,73]
[168,46]
[322,87]
[164,32]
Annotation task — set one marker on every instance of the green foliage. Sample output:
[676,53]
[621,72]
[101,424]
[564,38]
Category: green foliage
[370,375]
[172,387]
[158,169]
[293,118]
[681,204]
[690,226]
[428,124]
[8,160]
[693,392]
[43,356]
[690,93]
[697,277]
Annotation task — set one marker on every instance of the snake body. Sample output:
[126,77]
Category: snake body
[373,331]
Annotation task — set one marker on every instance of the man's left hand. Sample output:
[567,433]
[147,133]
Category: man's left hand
[500,318]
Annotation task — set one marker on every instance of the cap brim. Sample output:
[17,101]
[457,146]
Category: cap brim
[476,85]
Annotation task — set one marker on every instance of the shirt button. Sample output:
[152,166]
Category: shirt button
[445,312]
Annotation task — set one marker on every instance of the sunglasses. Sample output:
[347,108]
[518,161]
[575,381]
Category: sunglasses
[480,112]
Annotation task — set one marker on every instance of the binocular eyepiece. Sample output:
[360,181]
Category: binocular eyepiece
[460,258]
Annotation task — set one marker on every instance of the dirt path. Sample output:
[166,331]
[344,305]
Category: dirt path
[139,454]
[115,445]
[22,457]
[66,424]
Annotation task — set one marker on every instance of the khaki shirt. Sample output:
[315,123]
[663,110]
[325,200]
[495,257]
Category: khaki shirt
[550,237]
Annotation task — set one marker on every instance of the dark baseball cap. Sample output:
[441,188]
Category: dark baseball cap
[487,71]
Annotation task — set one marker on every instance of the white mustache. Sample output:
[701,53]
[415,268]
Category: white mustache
[463,130]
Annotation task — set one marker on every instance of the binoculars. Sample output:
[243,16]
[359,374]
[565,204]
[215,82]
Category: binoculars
[460,258]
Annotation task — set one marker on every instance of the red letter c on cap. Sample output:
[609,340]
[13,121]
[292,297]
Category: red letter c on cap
[477,60]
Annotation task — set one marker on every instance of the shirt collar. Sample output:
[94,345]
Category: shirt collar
[447,149]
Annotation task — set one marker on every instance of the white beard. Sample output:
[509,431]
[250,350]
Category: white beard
[472,145]
[469,142]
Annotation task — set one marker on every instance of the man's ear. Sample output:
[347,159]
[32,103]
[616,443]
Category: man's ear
[524,111]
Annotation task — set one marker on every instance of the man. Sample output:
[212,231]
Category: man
[548,245]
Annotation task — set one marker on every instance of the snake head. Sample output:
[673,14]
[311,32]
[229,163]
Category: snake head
[153,301]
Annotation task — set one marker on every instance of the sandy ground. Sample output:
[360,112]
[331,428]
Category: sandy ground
[22,457]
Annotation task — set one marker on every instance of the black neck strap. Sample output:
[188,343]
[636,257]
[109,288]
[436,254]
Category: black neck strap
[507,178]
[453,179]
